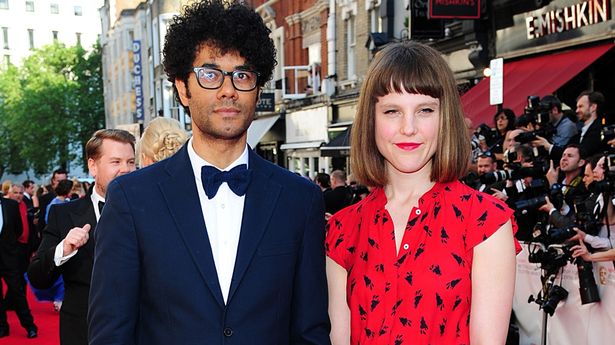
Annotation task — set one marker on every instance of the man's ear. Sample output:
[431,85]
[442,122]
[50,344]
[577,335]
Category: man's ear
[182,91]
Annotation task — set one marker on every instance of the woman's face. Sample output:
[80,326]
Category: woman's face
[599,170]
[407,131]
[501,122]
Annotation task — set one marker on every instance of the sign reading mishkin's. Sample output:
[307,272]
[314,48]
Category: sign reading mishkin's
[137,78]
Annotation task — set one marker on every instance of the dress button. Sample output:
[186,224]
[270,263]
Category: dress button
[417,211]
[406,246]
[228,332]
[223,206]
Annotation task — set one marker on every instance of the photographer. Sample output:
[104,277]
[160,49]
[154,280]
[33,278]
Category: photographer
[589,111]
[504,122]
[567,180]
[486,164]
[600,239]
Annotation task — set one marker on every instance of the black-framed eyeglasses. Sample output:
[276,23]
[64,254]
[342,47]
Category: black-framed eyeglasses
[212,78]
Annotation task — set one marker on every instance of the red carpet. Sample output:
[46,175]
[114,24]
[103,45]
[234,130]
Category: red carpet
[45,318]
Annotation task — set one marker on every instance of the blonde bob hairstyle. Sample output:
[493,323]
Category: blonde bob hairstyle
[418,69]
[162,137]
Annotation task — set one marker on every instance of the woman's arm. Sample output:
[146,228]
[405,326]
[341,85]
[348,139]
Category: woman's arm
[339,313]
[493,284]
[581,250]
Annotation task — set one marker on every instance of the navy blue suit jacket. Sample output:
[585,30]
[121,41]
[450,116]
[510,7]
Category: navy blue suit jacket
[154,279]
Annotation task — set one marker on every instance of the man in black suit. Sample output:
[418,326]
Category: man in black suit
[57,176]
[65,247]
[10,230]
[589,111]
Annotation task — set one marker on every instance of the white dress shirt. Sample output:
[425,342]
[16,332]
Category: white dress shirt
[57,257]
[223,215]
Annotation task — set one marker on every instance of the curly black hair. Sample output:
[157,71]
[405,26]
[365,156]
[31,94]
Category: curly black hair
[229,26]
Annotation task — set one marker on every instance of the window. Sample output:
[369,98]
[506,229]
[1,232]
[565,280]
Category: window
[4,4]
[55,35]
[29,6]
[350,48]
[78,36]
[54,8]
[5,38]
[78,11]
[31,38]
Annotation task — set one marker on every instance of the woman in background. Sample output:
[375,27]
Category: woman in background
[161,139]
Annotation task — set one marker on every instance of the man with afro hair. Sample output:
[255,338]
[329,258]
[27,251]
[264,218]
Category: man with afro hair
[213,245]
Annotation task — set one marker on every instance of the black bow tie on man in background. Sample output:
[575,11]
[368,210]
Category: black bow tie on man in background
[237,179]
[101,204]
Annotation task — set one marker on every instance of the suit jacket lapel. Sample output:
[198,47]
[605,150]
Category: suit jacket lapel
[261,196]
[188,217]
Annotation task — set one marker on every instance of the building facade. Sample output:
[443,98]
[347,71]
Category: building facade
[26,25]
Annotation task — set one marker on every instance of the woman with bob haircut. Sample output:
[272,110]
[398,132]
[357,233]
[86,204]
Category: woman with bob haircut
[423,259]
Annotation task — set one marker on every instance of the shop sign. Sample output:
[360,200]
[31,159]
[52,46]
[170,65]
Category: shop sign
[266,102]
[137,78]
[552,26]
[568,18]
[465,9]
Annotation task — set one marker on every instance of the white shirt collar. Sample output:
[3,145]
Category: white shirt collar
[96,197]
[197,162]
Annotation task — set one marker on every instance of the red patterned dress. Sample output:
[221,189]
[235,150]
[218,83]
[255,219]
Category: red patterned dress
[422,295]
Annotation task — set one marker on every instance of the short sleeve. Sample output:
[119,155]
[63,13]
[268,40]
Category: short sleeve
[336,241]
[487,215]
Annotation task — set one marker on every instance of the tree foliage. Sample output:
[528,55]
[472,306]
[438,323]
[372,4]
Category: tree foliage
[49,107]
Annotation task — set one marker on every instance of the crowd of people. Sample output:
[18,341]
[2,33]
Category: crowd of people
[213,244]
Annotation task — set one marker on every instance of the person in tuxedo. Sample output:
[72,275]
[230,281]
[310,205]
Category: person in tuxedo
[66,248]
[10,231]
[57,176]
[213,245]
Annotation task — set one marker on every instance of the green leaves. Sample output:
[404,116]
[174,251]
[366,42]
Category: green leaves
[49,107]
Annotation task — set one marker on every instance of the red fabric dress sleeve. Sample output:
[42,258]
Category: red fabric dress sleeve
[487,215]
[335,242]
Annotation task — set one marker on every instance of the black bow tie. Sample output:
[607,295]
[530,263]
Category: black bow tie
[101,204]
[237,179]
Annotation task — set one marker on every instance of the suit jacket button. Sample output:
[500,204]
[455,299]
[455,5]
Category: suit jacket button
[228,332]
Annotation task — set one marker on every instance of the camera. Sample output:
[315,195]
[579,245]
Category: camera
[486,133]
[607,133]
[535,112]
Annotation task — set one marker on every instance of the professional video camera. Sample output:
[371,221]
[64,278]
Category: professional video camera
[549,249]
[535,112]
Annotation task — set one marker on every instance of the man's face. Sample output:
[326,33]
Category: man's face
[116,158]
[16,193]
[509,141]
[485,165]
[30,189]
[585,110]
[224,113]
[57,178]
[571,160]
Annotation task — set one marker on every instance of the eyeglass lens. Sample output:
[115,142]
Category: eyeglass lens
[211,78]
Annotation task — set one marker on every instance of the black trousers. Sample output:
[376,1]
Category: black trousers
[15,286]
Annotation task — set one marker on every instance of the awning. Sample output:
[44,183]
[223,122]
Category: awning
[539,76]
[259,128]
[338,146]
[301,145]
